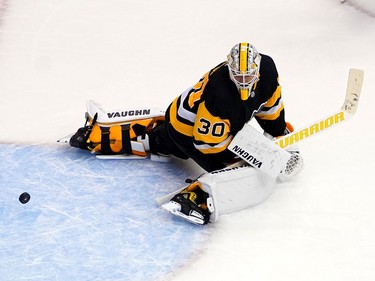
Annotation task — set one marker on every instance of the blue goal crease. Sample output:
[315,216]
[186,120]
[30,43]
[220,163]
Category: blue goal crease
[89,219]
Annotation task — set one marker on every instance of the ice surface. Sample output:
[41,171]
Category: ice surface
[89,219]
[55,55]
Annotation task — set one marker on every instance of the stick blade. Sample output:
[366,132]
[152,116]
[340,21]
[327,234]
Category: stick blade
[353,91]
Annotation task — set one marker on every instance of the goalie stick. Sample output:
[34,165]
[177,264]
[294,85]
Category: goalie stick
[347,110]
[271,158]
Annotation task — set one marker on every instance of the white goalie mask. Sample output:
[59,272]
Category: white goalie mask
[244,62]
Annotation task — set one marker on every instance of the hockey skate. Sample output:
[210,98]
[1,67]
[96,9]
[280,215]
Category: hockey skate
[190,204]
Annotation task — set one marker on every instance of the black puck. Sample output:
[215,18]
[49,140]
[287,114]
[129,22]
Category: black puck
[24,198]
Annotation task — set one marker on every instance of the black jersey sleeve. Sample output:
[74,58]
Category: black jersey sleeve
[271,117]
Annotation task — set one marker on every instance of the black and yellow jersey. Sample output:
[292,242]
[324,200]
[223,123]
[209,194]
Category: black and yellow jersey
[211,112]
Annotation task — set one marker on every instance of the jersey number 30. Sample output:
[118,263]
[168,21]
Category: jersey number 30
[215,129]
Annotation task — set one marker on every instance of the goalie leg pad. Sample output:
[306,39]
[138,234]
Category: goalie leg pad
[235,189]
[228,190]
[118,132]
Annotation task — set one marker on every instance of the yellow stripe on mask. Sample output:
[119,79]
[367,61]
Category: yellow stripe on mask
[243,57]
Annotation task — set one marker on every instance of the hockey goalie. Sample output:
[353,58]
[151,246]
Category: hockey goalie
[209,123]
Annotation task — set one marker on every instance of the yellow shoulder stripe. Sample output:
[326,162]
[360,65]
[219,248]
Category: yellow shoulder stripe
[180,127]
[276,95]
[272,115]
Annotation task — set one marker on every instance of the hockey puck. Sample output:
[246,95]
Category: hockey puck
[24,198]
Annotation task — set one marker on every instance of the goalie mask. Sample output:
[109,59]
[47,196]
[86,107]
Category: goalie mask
[243,63]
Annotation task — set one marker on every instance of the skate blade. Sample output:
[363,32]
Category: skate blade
[120,157]
[175,209]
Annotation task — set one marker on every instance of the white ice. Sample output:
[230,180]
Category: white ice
[55,55]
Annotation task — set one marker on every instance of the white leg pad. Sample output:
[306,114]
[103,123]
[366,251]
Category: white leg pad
[231,190]
[121,116]
[234,189]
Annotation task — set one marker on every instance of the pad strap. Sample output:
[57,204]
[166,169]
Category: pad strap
[126,144]
[125,137]
[105,143]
